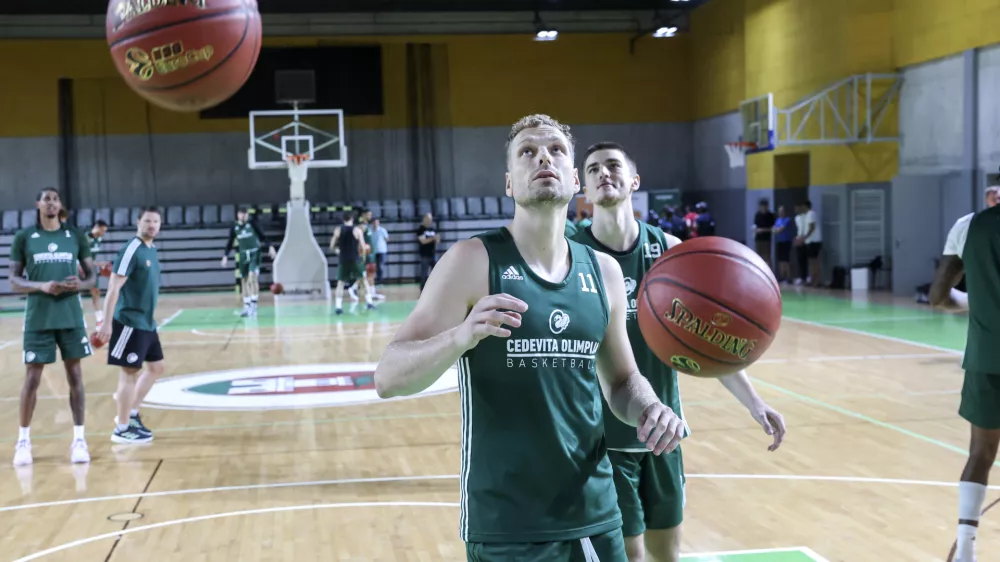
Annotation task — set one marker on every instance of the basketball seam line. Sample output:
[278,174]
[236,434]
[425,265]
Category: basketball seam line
[236,48]
[682,342]
[231,11]
[775,288]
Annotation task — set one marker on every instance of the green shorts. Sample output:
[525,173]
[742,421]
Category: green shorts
[40,346]
[370,258]
[248,262]
[609,547]
[980,404]
[650,490]
[350,272]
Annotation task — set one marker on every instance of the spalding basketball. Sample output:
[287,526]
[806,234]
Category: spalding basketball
[709,307]
[95,341]
[184,55]
[277,288]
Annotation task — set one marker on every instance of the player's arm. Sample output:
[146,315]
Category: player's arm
[262,238]
[943,294]
[18,282]
[628,393]
[450,318]
[89,279]
[739,385]
[670,240]
[229,246]
[334,238]
[423,238]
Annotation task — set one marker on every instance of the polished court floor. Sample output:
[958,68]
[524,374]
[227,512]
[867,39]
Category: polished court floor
[271,445]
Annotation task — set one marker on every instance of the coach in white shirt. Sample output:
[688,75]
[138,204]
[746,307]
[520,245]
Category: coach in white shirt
[809,244]
[951,262]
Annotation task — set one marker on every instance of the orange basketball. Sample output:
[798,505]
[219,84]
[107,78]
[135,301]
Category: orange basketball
[184,55]
[277,288]
[709,307]
[95,342]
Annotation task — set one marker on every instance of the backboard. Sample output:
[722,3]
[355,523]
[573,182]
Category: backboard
[276,135]
[759,120]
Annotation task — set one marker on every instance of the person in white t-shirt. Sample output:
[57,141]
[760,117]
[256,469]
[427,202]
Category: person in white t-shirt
[972,485]
[808,244]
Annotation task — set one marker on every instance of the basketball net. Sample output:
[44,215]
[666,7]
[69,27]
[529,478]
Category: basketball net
[737,152]
[298,171]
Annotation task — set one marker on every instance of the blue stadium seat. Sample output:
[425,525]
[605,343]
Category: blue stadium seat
[134,215]
[491,207]
[424,206]
[441,208]
[175,216]
[210,214]
[457,205]
[507,206]
[474,207]
[84,218]
[192,215]
[28,218]
[227,214]
[120,217]
[10,221]
[407,210]
[102,214]
[390,212]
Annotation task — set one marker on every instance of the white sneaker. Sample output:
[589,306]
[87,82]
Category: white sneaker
[353,293]
[78,452]
[22,453]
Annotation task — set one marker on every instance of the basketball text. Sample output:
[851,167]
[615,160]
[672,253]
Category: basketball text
[682,316]
[128,10]
[165,59]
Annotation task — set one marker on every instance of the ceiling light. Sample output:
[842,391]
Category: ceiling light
[665,32]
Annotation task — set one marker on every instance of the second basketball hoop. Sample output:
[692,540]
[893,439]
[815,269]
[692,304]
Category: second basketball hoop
[737,152]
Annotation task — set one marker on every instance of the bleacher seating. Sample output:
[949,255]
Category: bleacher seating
[192,237]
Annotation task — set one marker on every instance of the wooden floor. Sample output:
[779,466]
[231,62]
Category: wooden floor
[867,473]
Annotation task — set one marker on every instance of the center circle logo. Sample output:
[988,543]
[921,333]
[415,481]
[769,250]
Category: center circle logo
[280,388]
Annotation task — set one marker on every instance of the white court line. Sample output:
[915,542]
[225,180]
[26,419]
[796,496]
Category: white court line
[874,320]
[53,396]
[871,335]
[846,479]
[7,344]
[117,534]
[824,358]
[171,318]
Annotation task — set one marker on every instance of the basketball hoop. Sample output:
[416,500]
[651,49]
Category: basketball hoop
[737,152]
[298,170]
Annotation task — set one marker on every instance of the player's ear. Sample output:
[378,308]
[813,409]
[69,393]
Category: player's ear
[635,183]
[508,188]
[576,180]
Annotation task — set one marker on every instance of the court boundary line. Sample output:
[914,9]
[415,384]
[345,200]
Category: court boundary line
[200,518]
[441,477]
[171,318]
[874,335]
[800,549]
[813,554]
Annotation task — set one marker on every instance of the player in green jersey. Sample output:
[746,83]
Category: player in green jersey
[44,262]
[95,236]
[537,324]
[650,489]
[973,250]
[248,239]
[133,340]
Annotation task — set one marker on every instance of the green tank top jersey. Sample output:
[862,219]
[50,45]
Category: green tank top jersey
[50,255]
[635,262]
[246,237]
[981,259]
[534,460]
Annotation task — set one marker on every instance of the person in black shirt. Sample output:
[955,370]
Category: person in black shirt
[704,224]
[428,237]
[763,224]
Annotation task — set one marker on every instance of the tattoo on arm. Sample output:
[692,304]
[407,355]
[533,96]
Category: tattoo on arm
[18,281]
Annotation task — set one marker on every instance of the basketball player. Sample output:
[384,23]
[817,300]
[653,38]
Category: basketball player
[650,488]
[248,238]
[537,325]
[130,303]
[368,253]
[43,264]
[971,250]
[94,237]
[349,245]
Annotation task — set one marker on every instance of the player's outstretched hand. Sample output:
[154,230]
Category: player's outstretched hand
[489,317]
[772,422]
[660,428]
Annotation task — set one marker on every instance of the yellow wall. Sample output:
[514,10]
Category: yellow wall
[795,48]
[482,81]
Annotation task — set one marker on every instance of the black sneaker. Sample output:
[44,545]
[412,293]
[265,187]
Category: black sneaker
[135,423]
[129,436]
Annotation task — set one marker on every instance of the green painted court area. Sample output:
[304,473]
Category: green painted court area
[777,555]
[913,324]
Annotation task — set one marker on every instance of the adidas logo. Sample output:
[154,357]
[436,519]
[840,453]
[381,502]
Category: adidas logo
[512,273]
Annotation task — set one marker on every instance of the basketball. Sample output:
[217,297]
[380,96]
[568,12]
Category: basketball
[105,269]
[277,289]
[184,56]
[95,342]
[709,307]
